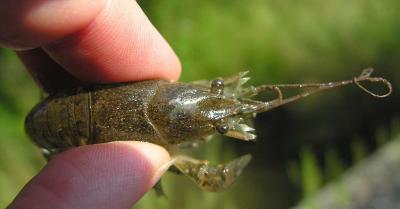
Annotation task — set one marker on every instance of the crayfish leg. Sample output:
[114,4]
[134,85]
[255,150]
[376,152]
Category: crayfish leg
[158,188]
[208,177]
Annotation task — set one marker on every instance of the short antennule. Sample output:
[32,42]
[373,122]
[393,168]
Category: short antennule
[316,87]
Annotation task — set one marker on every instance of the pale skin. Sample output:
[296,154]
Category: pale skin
[63,43]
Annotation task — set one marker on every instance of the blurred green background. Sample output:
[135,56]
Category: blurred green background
[300,146]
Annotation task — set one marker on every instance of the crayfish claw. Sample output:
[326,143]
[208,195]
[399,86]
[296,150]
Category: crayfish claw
[208,177]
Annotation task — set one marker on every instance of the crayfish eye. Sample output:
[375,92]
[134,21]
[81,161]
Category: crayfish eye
[222,128]
[217,87]
[217,83]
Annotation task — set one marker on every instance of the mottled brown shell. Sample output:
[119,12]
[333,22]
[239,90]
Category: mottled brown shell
[159,112]
[95,115]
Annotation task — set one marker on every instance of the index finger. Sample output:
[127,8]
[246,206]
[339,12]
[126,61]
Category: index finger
[117,44]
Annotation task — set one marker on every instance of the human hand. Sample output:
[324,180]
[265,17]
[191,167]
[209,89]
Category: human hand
[64,43]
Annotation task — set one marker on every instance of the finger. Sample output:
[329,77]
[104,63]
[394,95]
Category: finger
[119,45]
[28,24]
[115,43]
[113,175]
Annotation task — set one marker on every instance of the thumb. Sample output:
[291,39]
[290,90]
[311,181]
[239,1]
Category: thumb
[111,175]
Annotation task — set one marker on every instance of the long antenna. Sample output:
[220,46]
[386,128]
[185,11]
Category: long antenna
[317,87]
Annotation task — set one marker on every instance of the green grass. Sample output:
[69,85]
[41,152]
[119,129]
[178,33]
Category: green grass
[311,176]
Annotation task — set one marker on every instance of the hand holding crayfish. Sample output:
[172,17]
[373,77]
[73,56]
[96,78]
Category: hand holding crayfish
[60,51]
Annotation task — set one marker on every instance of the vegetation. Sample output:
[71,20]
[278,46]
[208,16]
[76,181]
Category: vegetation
[300,147]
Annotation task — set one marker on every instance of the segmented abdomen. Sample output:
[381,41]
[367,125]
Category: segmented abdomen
[105,113]
[60,121]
